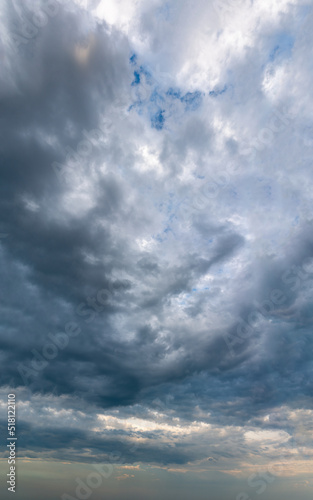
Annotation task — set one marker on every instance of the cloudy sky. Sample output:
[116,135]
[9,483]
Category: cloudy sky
[156,248]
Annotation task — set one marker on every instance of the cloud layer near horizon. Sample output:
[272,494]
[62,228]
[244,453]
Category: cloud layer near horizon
[156,193]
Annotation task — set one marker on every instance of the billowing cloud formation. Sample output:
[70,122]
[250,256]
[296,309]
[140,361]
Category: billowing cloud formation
[157,248]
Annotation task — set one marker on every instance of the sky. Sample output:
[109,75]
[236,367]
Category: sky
[156,248]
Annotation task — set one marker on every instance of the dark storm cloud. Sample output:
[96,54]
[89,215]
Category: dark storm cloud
[56,97]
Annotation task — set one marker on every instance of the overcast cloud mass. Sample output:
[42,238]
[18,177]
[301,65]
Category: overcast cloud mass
[156,246]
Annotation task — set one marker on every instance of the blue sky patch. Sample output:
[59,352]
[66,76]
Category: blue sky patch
[283,47]
[175,93]
[136,81]
[192,100]
[158,120]
[150,96]
[133,59]
[215,93]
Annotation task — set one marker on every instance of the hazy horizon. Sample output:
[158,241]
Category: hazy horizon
[156,248]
